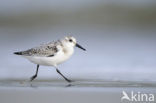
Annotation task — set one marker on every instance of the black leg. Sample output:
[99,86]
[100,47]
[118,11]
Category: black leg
[34,76]
[63,76]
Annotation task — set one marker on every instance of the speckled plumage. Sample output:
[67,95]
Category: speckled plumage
[45,50]
[51,54]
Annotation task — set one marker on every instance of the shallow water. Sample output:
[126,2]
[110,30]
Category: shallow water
[57,91]
[75,84]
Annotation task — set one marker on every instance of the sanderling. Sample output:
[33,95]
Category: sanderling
[51,54]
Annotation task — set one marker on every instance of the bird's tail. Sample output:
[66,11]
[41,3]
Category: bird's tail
[18,53]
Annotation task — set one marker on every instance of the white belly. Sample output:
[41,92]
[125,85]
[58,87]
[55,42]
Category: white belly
[58,58]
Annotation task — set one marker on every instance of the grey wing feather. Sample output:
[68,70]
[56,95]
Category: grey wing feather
[47,50]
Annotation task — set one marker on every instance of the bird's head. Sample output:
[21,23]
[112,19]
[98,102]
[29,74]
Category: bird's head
[71,42]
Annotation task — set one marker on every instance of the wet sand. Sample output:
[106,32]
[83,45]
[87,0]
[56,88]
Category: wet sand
[58,91]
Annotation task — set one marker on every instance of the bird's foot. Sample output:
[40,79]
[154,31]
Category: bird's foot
[33,77]
[69,81]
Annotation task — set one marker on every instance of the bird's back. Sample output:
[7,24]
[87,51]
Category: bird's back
[44,50]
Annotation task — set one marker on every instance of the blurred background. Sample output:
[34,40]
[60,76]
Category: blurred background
[119,35]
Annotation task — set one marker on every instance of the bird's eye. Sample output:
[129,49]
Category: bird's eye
[70,40]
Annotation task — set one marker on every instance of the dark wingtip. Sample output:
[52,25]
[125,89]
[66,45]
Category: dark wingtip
[18,53]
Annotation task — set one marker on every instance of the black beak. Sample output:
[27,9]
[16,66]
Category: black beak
[79,46]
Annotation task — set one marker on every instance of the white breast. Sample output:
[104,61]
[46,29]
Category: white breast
[61,56]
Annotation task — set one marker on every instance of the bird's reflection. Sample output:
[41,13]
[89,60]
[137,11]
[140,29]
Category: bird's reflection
[42,84]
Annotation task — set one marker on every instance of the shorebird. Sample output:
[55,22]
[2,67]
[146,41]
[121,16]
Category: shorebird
[51,54]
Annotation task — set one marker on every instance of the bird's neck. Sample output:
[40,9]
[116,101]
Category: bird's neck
[68,50]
